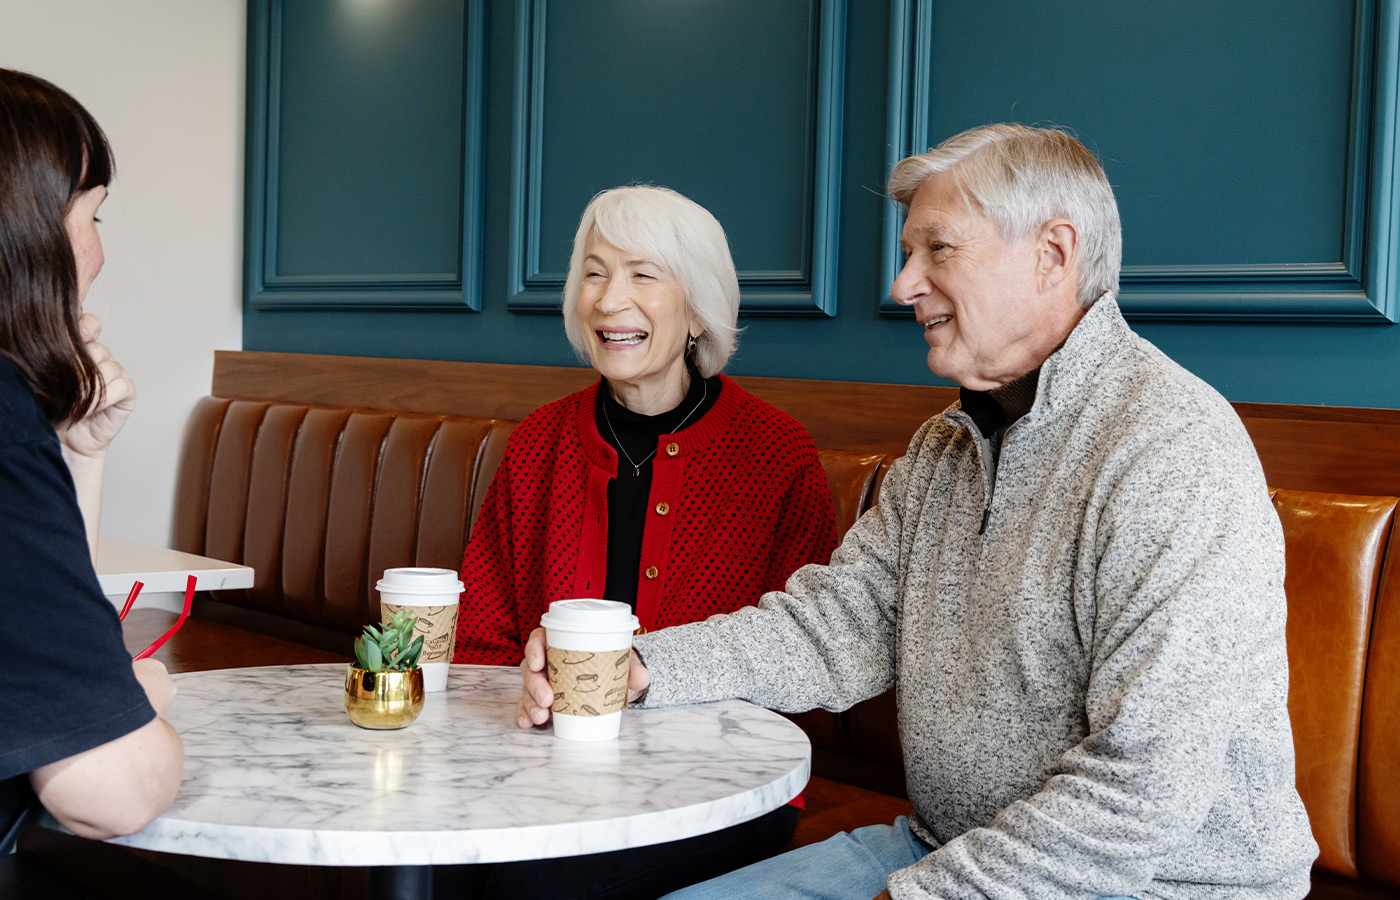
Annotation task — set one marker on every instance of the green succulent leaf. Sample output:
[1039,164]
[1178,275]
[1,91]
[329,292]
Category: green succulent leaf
[374,659]
[383,644]
[410,658]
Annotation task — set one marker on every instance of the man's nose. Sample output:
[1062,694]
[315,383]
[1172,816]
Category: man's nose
[908,286]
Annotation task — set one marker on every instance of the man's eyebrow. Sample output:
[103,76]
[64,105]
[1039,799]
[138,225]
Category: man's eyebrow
[933,229]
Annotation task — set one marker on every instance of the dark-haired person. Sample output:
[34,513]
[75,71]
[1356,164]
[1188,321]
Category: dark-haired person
[85,733]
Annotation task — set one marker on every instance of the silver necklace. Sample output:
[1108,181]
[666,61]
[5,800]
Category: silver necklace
[637,464]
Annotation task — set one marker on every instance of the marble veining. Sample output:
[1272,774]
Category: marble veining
[276,772]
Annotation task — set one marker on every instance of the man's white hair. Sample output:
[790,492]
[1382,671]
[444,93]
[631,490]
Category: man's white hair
[676,232]
[1021,177]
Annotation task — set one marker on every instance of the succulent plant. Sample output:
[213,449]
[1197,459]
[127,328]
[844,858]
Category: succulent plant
[390,647]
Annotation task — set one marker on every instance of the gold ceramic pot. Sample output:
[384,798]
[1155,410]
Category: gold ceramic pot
[383,700]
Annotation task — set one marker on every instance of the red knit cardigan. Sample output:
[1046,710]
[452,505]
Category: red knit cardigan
[738,502]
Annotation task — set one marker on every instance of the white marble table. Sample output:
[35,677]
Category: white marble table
[121,562]
[276,772]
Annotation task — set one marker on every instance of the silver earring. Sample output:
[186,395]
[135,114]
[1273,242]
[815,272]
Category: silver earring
[690,345]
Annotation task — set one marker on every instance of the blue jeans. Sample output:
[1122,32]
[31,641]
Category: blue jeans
[853,865]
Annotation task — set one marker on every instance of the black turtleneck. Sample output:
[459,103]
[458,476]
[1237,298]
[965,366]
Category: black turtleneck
[637,436]
[994,411]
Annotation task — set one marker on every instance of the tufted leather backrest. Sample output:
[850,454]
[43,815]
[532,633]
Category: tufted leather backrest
[320,500]
[851,477]
[1378,776]
[1335,546]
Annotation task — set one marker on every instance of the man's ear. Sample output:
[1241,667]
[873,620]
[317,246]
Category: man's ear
[1057,254]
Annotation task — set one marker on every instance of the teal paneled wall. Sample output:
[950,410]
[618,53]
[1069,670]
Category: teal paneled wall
[735,104]
[1201,112]
[406,171]
[374,188]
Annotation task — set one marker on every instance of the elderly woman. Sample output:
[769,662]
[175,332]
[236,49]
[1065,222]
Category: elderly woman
[85,733]
[665,486]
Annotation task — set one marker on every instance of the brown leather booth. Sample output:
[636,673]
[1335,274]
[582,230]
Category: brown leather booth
[322,471]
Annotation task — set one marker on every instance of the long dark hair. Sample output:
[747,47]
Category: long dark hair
[51,150]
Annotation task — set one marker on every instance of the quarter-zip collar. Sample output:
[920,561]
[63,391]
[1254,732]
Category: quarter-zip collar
[1101,334]
[1056,388]
[996,410]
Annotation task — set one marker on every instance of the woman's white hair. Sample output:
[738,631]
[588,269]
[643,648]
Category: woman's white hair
[1022,177]
[670,229]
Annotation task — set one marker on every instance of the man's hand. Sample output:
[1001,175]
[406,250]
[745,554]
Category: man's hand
[89,435]
[536,696]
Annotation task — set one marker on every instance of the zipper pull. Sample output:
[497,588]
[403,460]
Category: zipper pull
[986,516]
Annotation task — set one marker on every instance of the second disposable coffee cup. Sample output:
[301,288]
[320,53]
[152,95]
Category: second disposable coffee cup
[589,646]
[433,596]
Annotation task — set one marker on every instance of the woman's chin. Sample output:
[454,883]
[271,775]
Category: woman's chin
[625,365]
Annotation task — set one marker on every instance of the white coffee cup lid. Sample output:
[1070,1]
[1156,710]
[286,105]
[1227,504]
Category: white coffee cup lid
[416,580]
[590,616]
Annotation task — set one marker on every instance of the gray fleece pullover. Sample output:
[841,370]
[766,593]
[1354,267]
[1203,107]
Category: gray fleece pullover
[1092,691]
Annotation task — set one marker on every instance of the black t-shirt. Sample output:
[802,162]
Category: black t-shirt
[68,680]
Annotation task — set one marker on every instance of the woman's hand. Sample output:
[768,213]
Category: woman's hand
[85,440]
[90,435]
[157,683]
[536,696]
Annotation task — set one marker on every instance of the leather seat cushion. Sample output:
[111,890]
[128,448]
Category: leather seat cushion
[833,807]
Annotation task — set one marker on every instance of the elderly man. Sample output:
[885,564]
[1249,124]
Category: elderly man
[1074,580]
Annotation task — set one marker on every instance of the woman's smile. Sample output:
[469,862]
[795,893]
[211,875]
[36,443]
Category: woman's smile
[621,340]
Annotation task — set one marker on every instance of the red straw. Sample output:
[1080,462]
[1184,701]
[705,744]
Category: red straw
[184,614]
[130,599]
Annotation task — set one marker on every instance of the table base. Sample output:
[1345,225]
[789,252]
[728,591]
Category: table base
[401,882]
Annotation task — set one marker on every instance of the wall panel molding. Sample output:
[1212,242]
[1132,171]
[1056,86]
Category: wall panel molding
[1360,287]
[266,287]
[807,288]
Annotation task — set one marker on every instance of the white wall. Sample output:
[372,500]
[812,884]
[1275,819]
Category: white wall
[165,79]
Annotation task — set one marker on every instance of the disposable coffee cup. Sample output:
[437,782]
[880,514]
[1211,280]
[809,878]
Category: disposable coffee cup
[433,596]
[589,647]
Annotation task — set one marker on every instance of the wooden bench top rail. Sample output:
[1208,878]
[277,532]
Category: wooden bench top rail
[1318,448]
